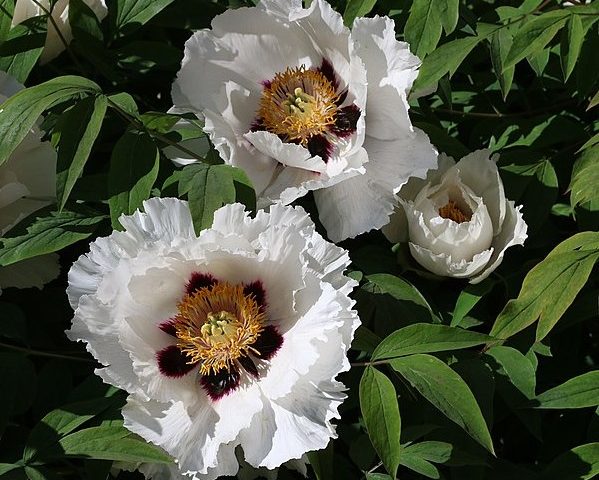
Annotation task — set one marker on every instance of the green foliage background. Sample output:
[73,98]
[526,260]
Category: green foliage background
[493,381]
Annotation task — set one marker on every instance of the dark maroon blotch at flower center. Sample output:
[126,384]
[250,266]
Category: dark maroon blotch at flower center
[346,121]
[172,362]
[199,280]
[219,384]
[177,360]
[318,145]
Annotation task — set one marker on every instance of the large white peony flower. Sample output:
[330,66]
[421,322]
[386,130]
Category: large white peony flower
[25,9]
[227,342]
[458,222]
[27,183]
[300,103]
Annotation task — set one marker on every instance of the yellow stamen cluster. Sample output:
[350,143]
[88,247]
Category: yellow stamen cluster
[454,212]
[217,325]
[298,104]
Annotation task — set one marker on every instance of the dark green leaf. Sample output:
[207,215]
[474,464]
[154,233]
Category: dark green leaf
[427,338]
[571,44]
[534,35]
[209,187]
[322,462]
[49,234]
[111,443]
[132,14]
[500,43]
[550,287]
[585,177]
[77,130]
[20,112]
[468,298]
[357,8]
[133,170]
[378,402]
[61,422]
[84,22]
[22,48]
[445,59]
[446,390]
[578,392]
[580,463]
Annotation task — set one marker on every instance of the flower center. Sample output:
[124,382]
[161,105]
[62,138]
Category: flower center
[453,212]
[218,325]
[298,104]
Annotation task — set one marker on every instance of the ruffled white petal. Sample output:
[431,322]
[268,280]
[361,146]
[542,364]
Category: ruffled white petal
[391,70]
[132,281]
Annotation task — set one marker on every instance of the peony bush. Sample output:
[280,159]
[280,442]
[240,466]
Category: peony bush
[299,239]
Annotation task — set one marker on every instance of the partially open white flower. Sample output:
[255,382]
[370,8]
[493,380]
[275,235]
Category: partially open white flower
[25,9]
[27,183]
[300,103]
[459,222]
[227,340]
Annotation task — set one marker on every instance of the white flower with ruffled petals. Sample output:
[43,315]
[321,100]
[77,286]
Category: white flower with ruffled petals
[27,183]
[228,341]
[458,222]
[300,103]
[55,41]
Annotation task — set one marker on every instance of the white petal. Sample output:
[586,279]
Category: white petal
[513,232]
[391,70]
[353,206]
[480,173]
[443,265]
[288,154]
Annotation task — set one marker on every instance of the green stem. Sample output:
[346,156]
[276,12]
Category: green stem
[136,123]
[39,353]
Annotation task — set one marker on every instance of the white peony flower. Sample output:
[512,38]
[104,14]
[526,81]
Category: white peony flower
[458,222]
[300,103]
[226,341]
[25,9]
[27,183]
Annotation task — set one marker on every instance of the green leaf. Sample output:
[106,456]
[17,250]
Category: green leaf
[77,129]
[594,101]
[578,392]
[133,170]
[445,59]
[580,463]
[111,443]
[432,451]
[446,390]
[322,462]
[84,22]
[550,287]
[49,234]
[427,338]
[534,35]
[41,473]
[378,403]
[585,177]
[209,187]
[468,299]
[22,47]
[7,8]
[517,368]
[423,28]
[500,43]
[355,9]
[132,14]
[571,44]
[419,465]
[404,292]
[19,113]
[8,467]
[61,422]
